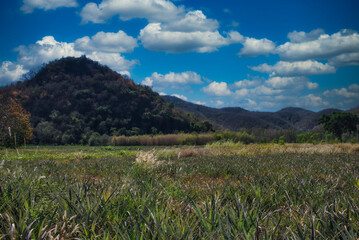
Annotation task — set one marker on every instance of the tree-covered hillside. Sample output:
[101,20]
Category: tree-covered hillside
[72,100]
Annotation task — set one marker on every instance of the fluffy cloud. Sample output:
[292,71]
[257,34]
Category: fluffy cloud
[192,21]
[254,47]
[217,89]
[184,98]
[300,68]
[30,5]
[107,42]
[125,73]
[323,47]
[199,102]
[291,83]
[263,90]
[153,10]
[246,83]
[346,59]
[10,72]
[115,61]
[300,37]
[219,103]
[154,38]
[260,93]
[171,28]
[44,51]
[311,101]
[242,92]
[271,96]
[173,79]
[351,92]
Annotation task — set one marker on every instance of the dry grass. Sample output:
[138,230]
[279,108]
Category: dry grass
[258,149]
[162,140]
[193,152]
[147,159]
[286,148]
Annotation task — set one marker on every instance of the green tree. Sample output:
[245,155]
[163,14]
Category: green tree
[15,126]
[339,123]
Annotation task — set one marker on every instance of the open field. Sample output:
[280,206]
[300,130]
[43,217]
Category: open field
[219,191]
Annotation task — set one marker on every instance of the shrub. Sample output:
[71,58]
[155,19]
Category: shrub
[281,140]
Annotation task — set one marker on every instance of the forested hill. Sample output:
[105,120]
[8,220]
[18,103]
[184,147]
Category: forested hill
[235,119]
[73,99]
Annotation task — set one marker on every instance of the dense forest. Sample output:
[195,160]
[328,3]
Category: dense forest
[77,100]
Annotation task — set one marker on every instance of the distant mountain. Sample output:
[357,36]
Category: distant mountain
[235,119]
[354,110]
[73,99]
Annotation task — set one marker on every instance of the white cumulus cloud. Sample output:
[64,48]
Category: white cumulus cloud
[345,59]
[311,101]
[300,37]
[299,68]
[323,47]
[107,42]
[291,83]
[254,47]
[29,5]
[10,72]
[257,91]
[199,102]
[171,28]
[180,97]
[154,38]
[115,61]
[192,21]
[219,102]
[43,51]
[263,90]
[172,79]
[246,83]
[351,92]
[217,89]
[152,10]
[243,92]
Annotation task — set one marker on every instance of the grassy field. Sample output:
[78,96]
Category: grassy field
[219,191]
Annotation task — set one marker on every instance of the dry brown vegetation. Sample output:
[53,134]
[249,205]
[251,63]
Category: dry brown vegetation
[163,140]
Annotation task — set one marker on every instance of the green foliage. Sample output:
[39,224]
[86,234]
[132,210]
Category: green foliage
[281,140]
[264,140]
[339,123]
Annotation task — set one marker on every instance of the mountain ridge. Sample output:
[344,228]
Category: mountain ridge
[296,118]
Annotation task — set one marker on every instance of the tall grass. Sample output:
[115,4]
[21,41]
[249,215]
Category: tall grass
[112,193]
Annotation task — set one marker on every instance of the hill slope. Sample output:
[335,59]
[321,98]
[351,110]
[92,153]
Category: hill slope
[235,119]
[74,99]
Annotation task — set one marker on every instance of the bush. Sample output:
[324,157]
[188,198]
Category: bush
[281,140]
[15,126]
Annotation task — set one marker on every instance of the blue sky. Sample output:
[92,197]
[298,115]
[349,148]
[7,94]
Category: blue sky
[259,55]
